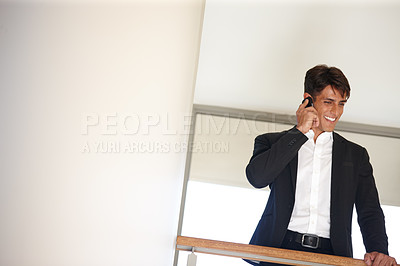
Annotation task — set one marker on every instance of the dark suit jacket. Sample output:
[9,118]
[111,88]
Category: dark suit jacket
[274,164]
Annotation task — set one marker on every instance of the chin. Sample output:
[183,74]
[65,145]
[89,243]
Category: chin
[329,129]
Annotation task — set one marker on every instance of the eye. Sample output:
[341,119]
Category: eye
[327,102]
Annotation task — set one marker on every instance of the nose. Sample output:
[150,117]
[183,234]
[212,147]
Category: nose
[335,109]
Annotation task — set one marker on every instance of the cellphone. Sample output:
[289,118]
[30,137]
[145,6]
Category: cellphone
[310,102]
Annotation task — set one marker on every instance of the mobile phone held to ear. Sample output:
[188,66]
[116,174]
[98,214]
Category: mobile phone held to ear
[310,102]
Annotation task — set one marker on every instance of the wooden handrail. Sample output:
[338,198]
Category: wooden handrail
[261,253]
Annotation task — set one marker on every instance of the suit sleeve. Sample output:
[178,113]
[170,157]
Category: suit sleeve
[370,215]
[272,153]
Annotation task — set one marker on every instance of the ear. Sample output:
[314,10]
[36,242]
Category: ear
[306,94]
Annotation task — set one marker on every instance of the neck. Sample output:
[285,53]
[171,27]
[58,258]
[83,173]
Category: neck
[317,132]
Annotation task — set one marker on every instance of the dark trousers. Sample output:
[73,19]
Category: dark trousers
[290,243]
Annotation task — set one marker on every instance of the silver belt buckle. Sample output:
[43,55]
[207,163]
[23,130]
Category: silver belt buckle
[310,236]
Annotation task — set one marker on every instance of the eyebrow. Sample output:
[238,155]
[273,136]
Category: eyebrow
[330,99]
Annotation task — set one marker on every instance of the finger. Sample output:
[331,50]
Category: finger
[316,122]
[378,260]
[367,259]
[392,261]
[304,103]
[386,261]
[389,261]
[368,262]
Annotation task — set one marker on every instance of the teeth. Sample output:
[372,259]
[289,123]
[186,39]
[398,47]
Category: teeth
[330,118]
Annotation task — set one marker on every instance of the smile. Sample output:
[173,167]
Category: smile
[330,118]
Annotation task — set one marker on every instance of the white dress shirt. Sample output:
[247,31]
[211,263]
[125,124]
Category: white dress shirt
[311,212]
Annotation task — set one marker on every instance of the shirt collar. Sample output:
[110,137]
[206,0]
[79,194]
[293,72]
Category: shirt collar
[323,137]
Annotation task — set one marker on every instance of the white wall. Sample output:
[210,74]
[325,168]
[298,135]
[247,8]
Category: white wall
[254,54]
[64,66]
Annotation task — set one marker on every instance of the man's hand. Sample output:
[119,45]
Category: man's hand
[376,258]
[307,118]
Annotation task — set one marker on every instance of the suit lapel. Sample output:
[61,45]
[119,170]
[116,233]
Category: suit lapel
[338,151]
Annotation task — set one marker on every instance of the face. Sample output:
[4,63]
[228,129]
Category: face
[329,105]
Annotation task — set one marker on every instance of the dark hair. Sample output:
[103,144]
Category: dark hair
[320,76]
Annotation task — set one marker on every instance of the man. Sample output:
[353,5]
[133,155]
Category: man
[316,177]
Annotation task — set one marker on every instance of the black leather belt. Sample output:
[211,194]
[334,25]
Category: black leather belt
[309,240]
